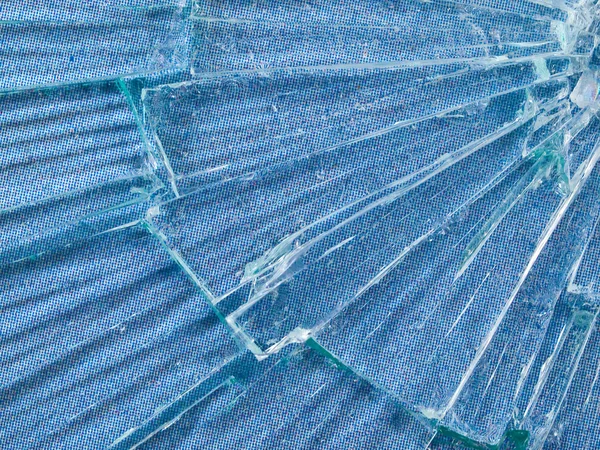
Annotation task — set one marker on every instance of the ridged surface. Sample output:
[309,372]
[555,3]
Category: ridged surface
[292,224]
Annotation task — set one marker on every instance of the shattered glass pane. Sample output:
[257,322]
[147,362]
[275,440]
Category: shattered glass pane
[299,224]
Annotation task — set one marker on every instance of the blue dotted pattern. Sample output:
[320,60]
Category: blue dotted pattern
[105,341]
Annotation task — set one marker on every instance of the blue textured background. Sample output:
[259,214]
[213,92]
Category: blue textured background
[151,150]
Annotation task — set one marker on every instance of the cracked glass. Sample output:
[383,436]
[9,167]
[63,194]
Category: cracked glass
[299,224]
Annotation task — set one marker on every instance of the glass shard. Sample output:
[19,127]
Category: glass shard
[331,184]
[246,35]
[302,400]
[486,402]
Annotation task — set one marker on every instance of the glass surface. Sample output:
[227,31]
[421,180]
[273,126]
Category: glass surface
[299,224]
